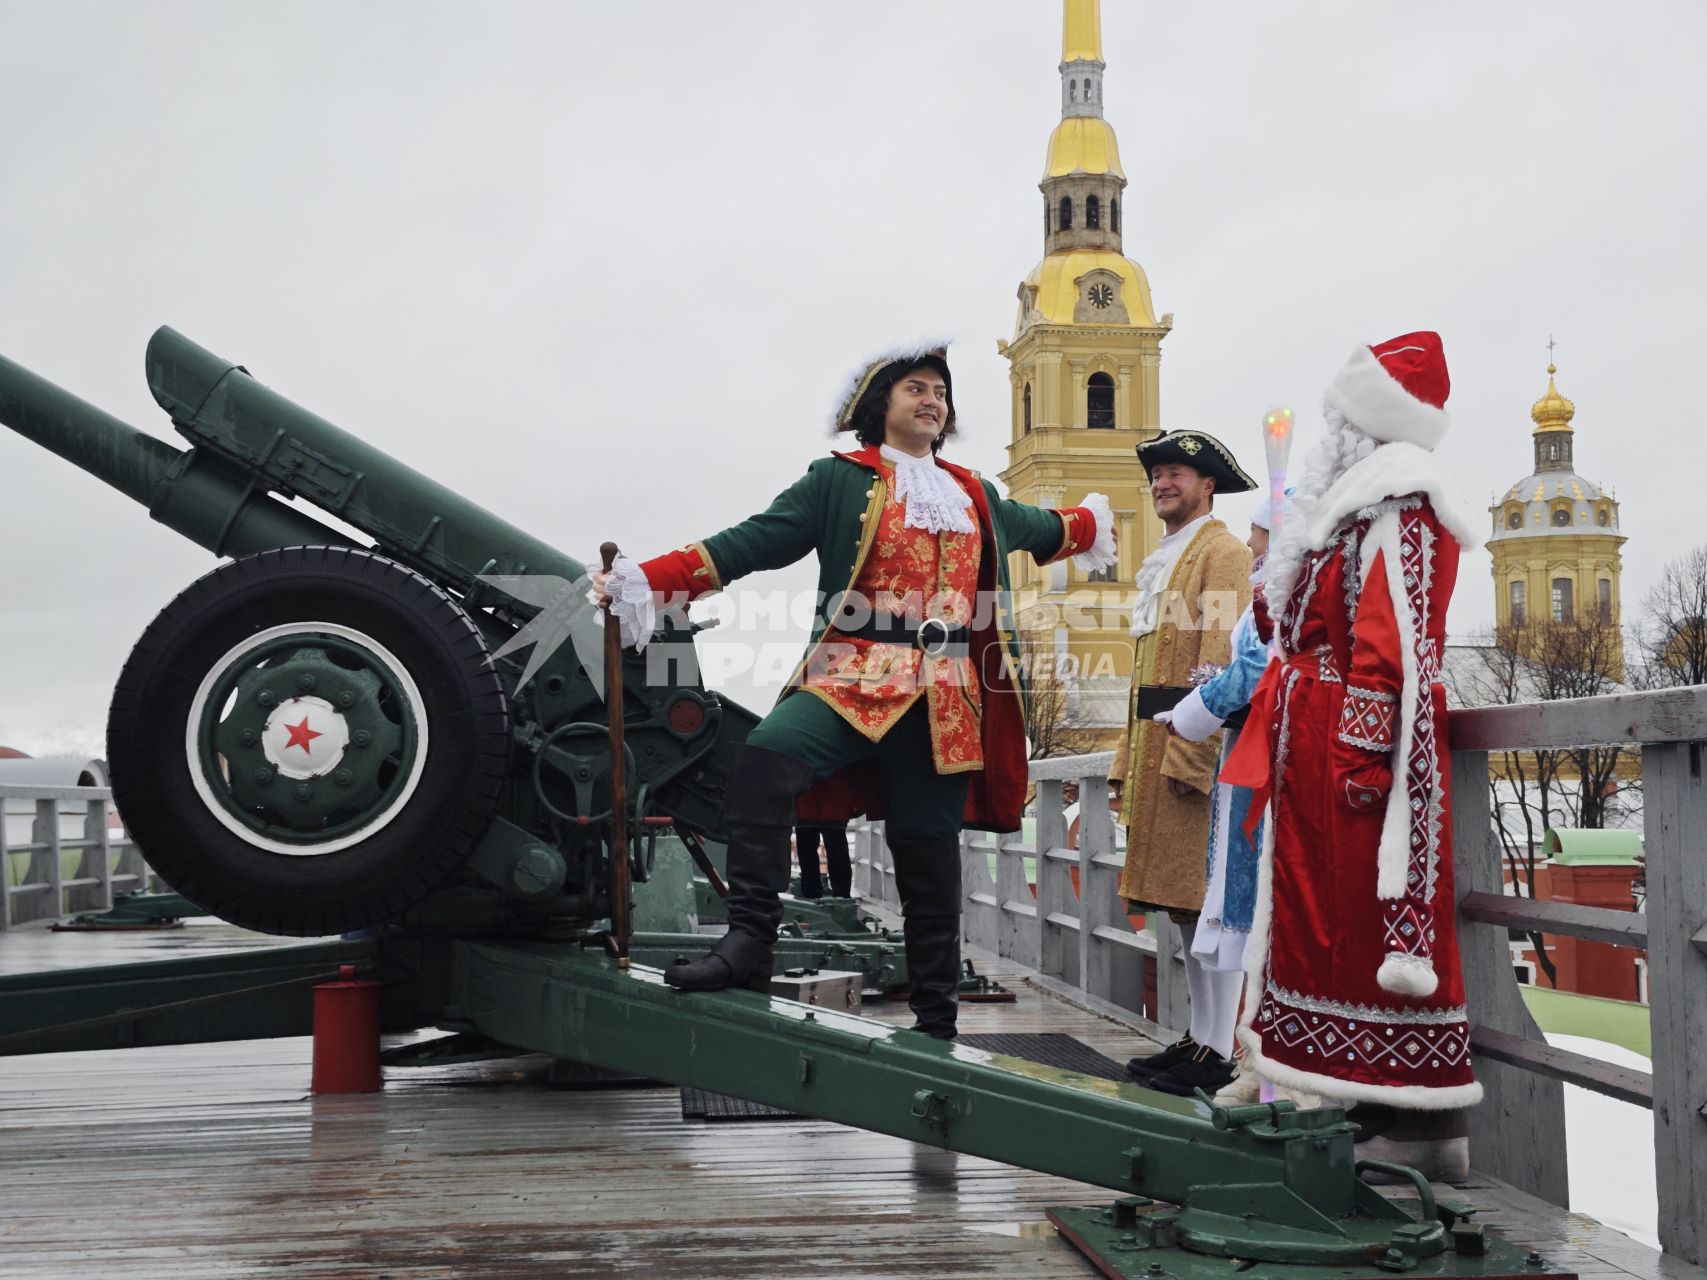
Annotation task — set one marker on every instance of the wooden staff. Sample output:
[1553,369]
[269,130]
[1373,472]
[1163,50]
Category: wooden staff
[618,775]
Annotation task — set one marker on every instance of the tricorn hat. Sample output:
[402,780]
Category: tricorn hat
[1201,452]
[877,375]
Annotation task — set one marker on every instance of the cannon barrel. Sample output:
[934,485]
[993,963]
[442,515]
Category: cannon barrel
[224,411]
[199,497]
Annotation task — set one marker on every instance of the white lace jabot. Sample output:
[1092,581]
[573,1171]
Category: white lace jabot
[934,500]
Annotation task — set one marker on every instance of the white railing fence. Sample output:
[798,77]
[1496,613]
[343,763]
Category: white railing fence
[39,827]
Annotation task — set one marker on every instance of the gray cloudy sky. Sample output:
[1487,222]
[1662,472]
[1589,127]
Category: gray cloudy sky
[602,266]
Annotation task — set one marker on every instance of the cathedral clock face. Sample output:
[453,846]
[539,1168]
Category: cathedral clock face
[1101,295]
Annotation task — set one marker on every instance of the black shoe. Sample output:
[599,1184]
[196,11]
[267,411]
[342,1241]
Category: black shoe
[1153,1064]
[1204,1069]
[738,960]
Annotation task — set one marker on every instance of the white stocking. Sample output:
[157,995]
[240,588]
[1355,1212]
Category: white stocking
[1214,995]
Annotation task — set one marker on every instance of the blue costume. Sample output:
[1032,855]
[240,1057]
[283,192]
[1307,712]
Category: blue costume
[1231,858]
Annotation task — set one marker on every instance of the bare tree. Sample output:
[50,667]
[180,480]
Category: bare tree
[1672,636]
[1057,723]
[1531,791]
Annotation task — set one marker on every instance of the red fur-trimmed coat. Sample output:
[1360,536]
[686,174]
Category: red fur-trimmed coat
[1355,985]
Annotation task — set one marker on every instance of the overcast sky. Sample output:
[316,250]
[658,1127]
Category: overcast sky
[602,266]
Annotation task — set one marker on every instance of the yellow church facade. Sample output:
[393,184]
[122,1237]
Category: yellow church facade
[1085,364]
[1556,538]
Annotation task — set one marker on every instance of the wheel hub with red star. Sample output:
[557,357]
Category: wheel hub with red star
[306,738]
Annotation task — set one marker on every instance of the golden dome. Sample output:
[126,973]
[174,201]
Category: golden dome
[1083,144]
[1552,412]
[1056,282]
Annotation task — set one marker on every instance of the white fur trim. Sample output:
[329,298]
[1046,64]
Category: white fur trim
[1101,553]
[1412,1097]
[1192,720]
[1392,471]
[851,384]
[631,602]
[1256,950]
[1375,401]
[1393,856]
[1406,975]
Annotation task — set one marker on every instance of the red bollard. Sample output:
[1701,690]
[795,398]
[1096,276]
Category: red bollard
[346,1035]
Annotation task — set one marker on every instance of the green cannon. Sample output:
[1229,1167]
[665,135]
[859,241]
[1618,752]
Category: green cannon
[349,735]
[389,721]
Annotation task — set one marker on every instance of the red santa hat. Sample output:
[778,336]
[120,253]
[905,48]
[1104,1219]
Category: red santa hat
[1396,390]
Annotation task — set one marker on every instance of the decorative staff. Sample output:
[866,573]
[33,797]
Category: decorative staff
[1277,445]
[618,776]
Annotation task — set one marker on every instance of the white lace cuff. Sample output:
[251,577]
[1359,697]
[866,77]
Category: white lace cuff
[631,602]
[1101,554]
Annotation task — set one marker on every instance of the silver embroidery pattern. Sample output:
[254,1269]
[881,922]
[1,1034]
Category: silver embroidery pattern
[1371,695]
[1373,1012]
[1283,739]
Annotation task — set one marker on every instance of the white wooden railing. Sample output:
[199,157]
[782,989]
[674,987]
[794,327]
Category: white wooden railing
[33,880]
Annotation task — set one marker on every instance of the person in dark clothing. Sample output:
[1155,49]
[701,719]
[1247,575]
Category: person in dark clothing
[834,836]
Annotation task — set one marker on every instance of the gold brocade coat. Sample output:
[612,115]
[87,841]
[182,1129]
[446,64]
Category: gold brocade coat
[1166,835]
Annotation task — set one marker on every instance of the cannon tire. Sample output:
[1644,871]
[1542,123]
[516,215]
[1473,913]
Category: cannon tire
[431,802]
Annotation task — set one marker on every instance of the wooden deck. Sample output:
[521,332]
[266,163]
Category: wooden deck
[214,1161]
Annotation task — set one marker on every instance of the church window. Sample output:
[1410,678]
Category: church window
[1087,90]
[1114,214]
[1066,220]
[1514,520]
[1025,411]
[1093,212]
[1099,401]
[1603,517]
[1072,91]
[1109,574]
[1561,517]
[1516,593]
[1603,605]
[1564,610]
[1045,215]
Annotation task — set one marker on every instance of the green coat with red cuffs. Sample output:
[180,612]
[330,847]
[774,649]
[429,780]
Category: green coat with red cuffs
[833,511]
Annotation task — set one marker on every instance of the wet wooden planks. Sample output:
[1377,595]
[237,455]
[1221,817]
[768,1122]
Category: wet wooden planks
[212,1161]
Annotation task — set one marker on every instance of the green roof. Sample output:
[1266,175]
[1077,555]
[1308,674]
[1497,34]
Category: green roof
[1592,847]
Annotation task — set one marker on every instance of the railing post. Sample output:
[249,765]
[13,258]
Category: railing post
[1058,951]
[1674,813]
[1518,1133]
[43,867]
[5,868]
[1105,970]
[979,910]
[1016,925]
[95,864]
[1173,1000]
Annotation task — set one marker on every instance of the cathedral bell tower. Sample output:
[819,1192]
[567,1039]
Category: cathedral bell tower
[1085,357]
[1556,540]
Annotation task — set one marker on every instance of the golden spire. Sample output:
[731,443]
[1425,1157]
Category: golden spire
[1081,31]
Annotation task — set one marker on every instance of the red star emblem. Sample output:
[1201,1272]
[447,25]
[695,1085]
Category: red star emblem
[301,735]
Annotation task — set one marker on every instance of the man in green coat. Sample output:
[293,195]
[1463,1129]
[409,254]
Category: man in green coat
[908,703]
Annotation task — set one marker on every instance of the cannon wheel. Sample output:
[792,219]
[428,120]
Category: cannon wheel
[306,741]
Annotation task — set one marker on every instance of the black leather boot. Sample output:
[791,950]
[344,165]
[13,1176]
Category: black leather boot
[933,965]
[759,814]
[927,877]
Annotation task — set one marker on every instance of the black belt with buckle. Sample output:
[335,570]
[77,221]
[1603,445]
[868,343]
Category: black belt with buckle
[1164,697]
[932,636]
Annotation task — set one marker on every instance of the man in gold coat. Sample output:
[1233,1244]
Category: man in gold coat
[1191,590]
